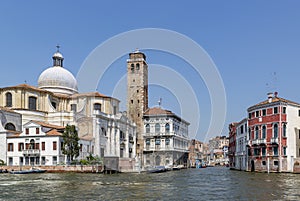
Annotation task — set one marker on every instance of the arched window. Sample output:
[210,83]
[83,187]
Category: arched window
[32,103]
[157,128]
[284,130]
[137,66]
[147,128]
[167,126]
[10,126]
[132,68]
[103,131]
[275,131]
[97,106]
[256,132]
[8,97]
[264,131]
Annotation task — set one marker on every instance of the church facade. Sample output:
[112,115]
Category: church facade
[53,104]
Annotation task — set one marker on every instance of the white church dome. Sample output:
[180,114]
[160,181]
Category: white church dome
[57,79]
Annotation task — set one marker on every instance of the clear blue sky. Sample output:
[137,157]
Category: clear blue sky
[254,44]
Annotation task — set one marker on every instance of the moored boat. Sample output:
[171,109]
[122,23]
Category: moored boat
[33,170]
[157,169]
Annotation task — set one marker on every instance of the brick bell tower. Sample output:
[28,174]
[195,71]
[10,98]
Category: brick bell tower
[137,93]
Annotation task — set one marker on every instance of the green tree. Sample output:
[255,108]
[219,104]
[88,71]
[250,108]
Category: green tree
[70,145]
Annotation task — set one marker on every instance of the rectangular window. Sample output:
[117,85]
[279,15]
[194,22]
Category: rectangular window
[80,147]
[37,160]
[284,151]
[242,129]
[43,146]
[54,145]
[97,106]
[10,147]
[256,152]
[147,141]
[257,113]
[284,110]
[115,110]
[27,131]
[37,146]
[32,103]
[21,146]
[299,113]
[157,141]
[275,110]
[275,151]
[263,151]
[73,107]
[37,131]
[61,145]
[276,163]
[92,149]
[249,115]
[43,160]
[10,161]
[264,112]
[54,158]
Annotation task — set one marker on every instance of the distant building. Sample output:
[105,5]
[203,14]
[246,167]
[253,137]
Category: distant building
[218,150]
[274,135]
[197,151]
[166,138]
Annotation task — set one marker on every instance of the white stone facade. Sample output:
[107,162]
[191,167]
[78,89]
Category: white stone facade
[166,139]
[241,140]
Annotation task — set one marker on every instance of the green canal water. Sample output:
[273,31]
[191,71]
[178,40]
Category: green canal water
[218,183]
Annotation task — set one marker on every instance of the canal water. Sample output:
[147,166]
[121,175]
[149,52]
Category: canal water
[214,183]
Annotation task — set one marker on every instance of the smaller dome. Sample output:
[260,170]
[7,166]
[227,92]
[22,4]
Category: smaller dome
[57,55]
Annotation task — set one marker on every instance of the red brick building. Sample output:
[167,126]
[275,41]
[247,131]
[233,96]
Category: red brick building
[274,135]
[232,144]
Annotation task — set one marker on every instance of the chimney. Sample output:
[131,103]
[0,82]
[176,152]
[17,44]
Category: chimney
[270,96]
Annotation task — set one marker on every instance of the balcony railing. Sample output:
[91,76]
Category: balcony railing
[262,141]
[256,141]
[31,152]
[274,140]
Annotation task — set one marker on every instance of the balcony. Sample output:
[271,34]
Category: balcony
[31,152]
[262,141]
[255,142]
[274,140]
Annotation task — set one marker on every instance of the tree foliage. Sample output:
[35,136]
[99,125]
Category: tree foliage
[70,146]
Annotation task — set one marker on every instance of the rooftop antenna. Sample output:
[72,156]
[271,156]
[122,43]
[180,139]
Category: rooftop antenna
[159,102]
[57,46]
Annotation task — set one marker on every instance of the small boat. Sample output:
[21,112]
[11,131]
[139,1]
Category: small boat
[157,169]
[33,170]
[3,171]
